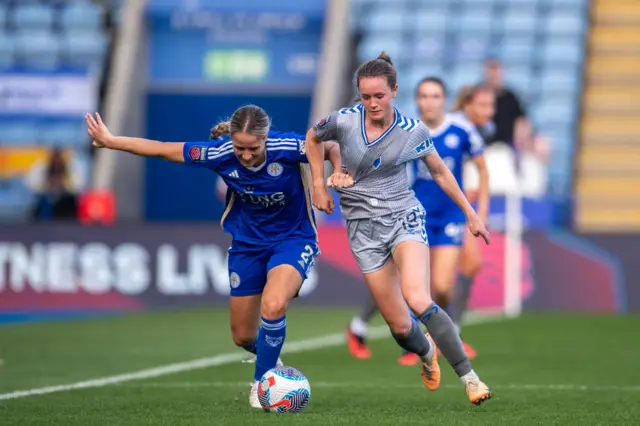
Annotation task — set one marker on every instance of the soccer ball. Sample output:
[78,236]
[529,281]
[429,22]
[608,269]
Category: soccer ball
[284,390]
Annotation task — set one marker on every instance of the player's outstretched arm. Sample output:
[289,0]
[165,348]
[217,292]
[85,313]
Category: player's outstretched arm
[102,138]
[483,187]
[316,155]
[445,179]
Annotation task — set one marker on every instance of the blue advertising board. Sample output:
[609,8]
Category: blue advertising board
[205,59]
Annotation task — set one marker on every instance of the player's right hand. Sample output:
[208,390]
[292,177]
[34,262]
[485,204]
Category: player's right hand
[98,131]
[340,180]
[322,200]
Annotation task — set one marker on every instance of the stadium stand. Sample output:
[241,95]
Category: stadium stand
[608,167]
[540,42]
[53,55]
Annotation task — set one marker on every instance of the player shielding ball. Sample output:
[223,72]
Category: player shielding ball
[268,213]
[455,140]
[386,222]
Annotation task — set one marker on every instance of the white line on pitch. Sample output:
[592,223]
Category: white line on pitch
[326,341]
[330,385]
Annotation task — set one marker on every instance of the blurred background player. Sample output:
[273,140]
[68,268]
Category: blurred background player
[386,222]
[475,106]
[273,228]
[454,138]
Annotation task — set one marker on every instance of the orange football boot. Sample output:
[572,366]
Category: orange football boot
[357,346]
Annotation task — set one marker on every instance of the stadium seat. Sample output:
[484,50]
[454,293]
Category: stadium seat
[567,51]
[16,200]
[81,16]
[387,19]
[517,49]
[85,49]
[431,20]
[519,21]
[371,47]
[39,49]
[476,21]
[39,16]
[562,23]
[7,51]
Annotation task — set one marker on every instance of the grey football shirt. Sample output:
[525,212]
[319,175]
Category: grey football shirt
[378,167]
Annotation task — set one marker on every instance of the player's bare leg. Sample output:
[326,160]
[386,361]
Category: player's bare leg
[414,276]
[383,285]
[470,264]
[283,282]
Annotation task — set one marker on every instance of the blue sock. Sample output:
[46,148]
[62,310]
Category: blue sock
[270,340]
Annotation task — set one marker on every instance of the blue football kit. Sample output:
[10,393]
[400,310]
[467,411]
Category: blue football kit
[268,208]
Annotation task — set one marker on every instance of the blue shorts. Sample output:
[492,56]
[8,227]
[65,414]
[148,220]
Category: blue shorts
[451,234]
[249,264]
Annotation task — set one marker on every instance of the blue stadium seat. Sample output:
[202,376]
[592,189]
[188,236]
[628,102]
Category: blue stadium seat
[81,16]
[7,51]
[522,81]
[85,49]
[471,48]
[38,49]
[387,19]
[431,20]
[522,3]
[34,15]
[519,21]
[563,24]
[3,18]
[562,51]
[554,113]
[476,20]
[517,49]
[560,81]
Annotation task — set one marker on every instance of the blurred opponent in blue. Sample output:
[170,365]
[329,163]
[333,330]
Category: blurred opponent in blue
[268,213]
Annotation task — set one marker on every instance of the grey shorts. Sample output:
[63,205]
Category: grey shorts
[374,240]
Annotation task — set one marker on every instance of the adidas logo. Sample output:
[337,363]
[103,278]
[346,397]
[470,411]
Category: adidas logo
[234,174]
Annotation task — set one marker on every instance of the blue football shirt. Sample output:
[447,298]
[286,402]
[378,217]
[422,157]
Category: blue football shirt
[267,203]
[455,140]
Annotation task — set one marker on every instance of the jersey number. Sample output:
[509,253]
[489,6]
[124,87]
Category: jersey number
[306,258]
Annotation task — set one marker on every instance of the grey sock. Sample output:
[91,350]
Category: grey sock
[368,310]
[444,333]
[461,292]
[415,341]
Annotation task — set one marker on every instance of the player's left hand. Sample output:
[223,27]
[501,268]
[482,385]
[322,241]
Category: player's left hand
[340,180]
[98,131]
[477,228]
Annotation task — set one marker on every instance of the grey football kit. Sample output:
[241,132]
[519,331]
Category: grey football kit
[380,208]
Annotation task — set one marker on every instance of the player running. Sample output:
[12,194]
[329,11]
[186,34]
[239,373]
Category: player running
[385,221]
[455,138]
[476,105]
[268,213]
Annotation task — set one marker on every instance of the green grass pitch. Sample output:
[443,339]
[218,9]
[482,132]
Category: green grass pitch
[546,369]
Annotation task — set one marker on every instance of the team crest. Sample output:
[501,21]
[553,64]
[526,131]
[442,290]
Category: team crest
[452,141]
[234,280]
[324,121]
[198,153]
[274,169]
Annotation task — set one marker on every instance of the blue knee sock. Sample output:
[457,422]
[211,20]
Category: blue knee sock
[270,340]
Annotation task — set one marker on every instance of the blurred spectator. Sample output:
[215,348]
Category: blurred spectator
[509,110]
[56,183]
